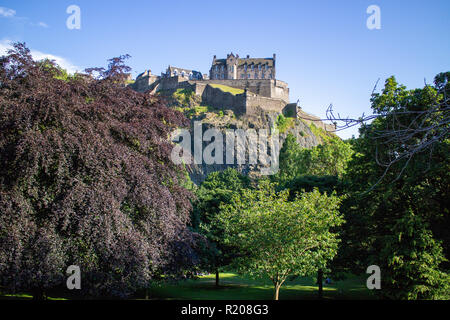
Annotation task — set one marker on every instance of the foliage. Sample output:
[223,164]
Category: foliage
[321,134]
[218,188]
[326,184]
[413,257]
[284,123]
[184,97]
[398,219]
[86,179]
[330,158]
[277,237]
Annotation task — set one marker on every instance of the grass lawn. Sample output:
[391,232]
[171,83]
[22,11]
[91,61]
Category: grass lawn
[24,296]
[224,88]
[234,287]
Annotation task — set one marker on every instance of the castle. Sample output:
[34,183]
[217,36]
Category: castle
[254,78]
[234,67]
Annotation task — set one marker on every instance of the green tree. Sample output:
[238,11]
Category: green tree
[413,257]
[218,188]
[398,210]
[328,159]
[277,237]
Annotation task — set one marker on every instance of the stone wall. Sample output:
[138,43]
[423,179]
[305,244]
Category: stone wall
[145,83]
[247,102]
[255,102]
[216,98]
[290,110]
[308,118]
[264,87]
[171,83]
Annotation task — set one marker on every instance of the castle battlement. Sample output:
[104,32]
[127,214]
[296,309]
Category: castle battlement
[256,76]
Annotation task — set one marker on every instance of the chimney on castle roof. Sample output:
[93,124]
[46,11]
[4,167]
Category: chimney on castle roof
[248,56]
[274,56]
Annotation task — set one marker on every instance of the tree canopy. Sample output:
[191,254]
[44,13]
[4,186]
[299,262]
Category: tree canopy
[398,218]
[86,179]
[277,237]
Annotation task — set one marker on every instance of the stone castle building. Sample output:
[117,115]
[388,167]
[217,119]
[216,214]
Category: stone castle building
[184,73]
[256,78]
[234,67]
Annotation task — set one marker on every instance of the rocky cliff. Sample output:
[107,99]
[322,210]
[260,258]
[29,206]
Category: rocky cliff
[308,129]
[307,134]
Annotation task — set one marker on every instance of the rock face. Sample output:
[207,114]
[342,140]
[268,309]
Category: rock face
[264,120]
[308,129]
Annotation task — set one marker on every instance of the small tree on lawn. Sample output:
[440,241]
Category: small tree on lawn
[217,189]
[277,237]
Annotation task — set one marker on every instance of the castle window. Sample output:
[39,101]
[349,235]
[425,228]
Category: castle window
[245,68]
[243,76]
[262,76]
[267,67]
[259,67]
[248,76]
[253,67]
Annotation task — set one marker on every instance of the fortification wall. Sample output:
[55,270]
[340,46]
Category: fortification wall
[263,87]
[216,98]
[290,110]
[308,118]
[171,83]
[253,102]
[280,90]
[145,83]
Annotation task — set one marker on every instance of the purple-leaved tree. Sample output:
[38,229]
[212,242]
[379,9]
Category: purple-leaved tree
[86,179]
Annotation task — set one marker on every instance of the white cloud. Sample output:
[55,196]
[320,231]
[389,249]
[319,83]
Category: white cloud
[7,13]
[10,13]
[5,45]
[39,24]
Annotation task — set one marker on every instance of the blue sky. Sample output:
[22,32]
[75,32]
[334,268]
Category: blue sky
[324,50]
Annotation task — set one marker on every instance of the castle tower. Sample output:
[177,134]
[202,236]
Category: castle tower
[274,60]
[231,65]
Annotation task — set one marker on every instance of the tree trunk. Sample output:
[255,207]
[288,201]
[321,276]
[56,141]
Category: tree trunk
[39,294]
[146,294]
[217,277]
[277,291]
[320,282]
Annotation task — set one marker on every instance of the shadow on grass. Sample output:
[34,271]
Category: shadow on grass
[234,287]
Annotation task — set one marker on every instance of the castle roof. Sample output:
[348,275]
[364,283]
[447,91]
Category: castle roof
[255,61]
[220,62]
[248,61]
[171,69]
